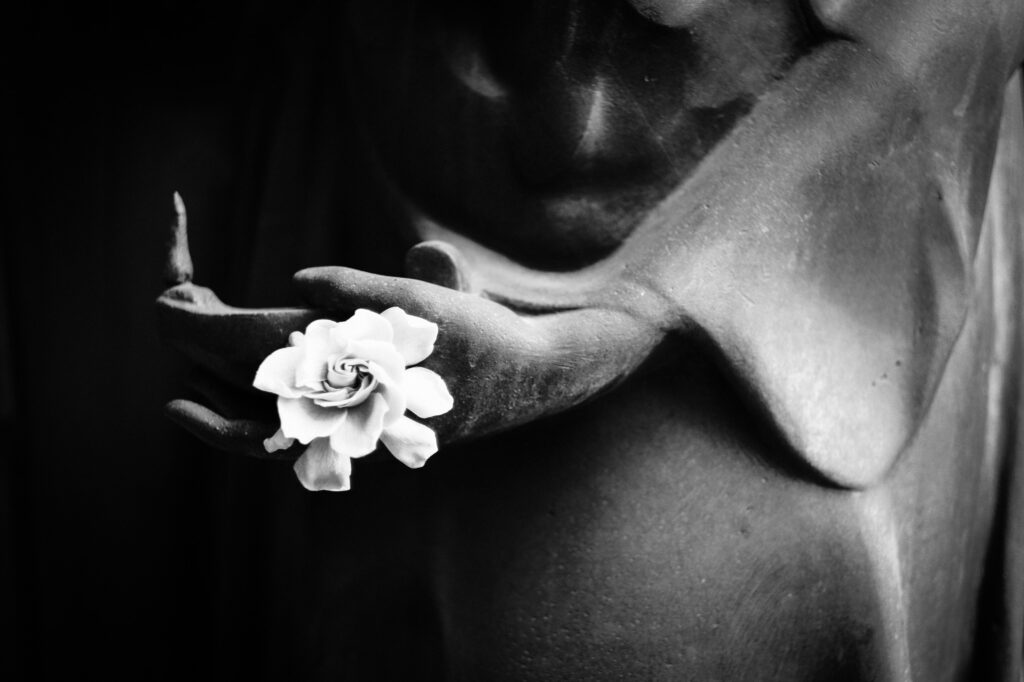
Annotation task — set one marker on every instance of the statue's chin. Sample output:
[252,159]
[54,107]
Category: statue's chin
[554,158]
[560,232]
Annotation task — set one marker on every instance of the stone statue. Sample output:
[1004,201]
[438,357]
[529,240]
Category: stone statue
[729,299]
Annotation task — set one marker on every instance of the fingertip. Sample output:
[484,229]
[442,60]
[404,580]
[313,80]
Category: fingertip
[199,420]
[231,435]
[182,411]
[330,279]
[319,286]
[310,274]
[343,290]
[311,281]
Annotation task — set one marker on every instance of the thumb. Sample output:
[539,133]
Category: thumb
[439,263]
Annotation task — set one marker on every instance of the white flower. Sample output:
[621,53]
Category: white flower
[342,386]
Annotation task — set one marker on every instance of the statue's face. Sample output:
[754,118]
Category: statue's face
[547,130]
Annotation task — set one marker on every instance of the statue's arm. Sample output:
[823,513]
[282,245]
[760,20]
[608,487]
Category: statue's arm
[504,368]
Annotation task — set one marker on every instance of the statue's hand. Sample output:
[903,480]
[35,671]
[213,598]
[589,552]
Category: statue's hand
[225,345]
[502,367]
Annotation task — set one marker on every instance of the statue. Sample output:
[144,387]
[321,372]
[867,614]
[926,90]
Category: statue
[728,301]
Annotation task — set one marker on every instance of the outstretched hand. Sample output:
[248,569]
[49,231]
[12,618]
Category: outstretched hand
[503,368]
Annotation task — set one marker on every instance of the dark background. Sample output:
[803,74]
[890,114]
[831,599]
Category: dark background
[126,547]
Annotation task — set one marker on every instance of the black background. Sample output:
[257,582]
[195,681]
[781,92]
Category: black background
[126,547]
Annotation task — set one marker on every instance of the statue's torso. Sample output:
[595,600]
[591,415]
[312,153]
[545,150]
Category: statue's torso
[664,531]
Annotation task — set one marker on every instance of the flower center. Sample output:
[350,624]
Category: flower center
[345,372]
[348,382]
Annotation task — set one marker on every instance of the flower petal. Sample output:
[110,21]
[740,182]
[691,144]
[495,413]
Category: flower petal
[357,434]
[318,331]
[384,354]
[276,373]
[303,420]
[320,468]
[426,393]
[343,397]
[414,337]
[393,392]
[316,345]
[364,325]
[311,371]
[278,442]
[410,442]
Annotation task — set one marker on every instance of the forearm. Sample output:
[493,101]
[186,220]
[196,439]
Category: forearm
[570,357]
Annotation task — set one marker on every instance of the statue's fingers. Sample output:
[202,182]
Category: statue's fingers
[229,400]
[242,436]
[227,341]
[343,290]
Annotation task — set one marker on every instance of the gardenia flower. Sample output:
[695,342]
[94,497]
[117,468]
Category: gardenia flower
[342,386]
